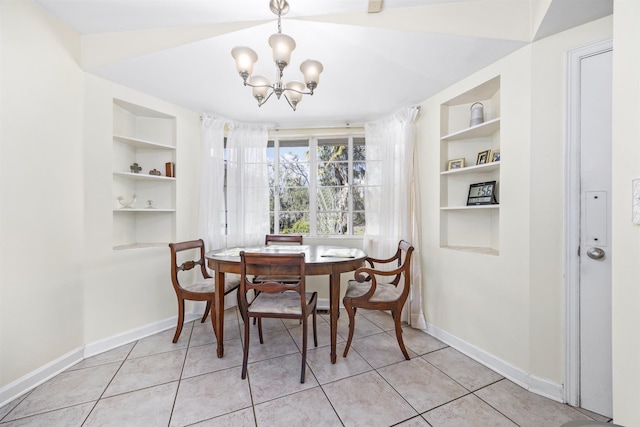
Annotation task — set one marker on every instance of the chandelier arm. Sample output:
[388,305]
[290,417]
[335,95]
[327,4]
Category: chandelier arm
[293,107]
[252,85]
[297,91]
[266,99]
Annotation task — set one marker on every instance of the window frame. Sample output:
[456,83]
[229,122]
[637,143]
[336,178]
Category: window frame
[313,143]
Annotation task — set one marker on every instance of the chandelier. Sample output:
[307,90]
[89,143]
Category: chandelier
[282,46]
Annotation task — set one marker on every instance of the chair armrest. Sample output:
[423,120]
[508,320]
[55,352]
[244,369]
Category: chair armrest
[366,274]
[372,261]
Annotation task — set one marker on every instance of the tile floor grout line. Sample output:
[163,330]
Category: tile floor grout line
[22,398]
[330,402]
[248,379]
[184,362]
[109,383]
[411,418]
[499,411]
[453,379]
[490,405]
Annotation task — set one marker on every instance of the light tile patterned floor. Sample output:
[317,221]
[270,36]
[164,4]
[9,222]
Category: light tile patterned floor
[153,382]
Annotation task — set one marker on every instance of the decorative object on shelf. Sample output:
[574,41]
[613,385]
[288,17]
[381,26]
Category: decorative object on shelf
[155,172]
[150,204]
[483,157]
[127,204]
[482,193]
[282,46]
[477,114]
[455,164]
[135,168]
[495,156]
[170,169]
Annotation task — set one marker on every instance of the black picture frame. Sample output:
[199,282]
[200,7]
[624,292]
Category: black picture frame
[483,157]
[482,193]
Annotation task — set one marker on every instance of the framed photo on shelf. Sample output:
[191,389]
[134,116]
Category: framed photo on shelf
[455,164]
[495,156]
[482,193]
[483,157]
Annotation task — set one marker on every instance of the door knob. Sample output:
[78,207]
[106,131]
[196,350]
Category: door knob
[595,253]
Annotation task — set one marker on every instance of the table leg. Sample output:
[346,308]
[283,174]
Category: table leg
[219,312]
[334,310]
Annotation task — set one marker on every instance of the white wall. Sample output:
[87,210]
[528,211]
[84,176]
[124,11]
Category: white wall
[62,286]
[41,182]
[509,308]
[126,289]
[626,236]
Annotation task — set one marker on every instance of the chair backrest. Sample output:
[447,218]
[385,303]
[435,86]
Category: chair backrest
[402,259]
[405,263]
[188,260]
[252,263]
[282,238]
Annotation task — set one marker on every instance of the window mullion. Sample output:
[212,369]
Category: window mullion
[350,183]
[313,186]
[277,186]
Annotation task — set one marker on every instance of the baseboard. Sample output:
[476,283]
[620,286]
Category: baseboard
[127,337]
[28,382]
[322,304]
[33,379]
[530,382]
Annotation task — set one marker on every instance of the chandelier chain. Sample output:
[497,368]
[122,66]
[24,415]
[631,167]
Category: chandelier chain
[279,24]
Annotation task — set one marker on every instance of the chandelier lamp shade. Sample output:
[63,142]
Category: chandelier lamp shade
[282,46]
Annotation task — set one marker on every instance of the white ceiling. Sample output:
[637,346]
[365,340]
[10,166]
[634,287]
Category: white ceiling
[374,64]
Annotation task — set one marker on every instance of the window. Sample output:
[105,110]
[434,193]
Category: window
[317,185]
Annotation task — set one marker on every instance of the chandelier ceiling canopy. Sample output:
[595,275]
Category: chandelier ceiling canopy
[282,46]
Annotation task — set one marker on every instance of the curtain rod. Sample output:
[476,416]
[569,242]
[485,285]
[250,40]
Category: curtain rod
[346,125]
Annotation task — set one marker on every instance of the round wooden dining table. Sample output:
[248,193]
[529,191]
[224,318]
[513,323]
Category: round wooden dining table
[319,260]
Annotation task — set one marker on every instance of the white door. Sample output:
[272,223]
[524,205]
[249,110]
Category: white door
[595,233]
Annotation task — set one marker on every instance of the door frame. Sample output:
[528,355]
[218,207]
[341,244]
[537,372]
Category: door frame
[572,219]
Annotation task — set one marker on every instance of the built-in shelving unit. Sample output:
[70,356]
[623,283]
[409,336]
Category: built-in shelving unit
[469,228]
[145,137]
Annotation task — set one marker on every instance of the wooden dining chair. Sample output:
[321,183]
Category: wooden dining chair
[275,299]
[280,239]
[381,289]
[186,256]
[270,239]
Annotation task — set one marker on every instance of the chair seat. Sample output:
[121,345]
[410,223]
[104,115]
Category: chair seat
[281,303]
[385,292]
[209,285]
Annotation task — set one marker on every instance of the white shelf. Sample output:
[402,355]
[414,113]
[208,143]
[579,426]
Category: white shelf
[473,249]
[145,210]
[144,176]
[464,208]
[141,246]
[482,130]
[472,229]
[487,167]
[148,138]
[141,143]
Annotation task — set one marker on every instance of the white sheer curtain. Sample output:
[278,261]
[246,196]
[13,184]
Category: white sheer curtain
[391,203]
[211,218]
[247,185]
